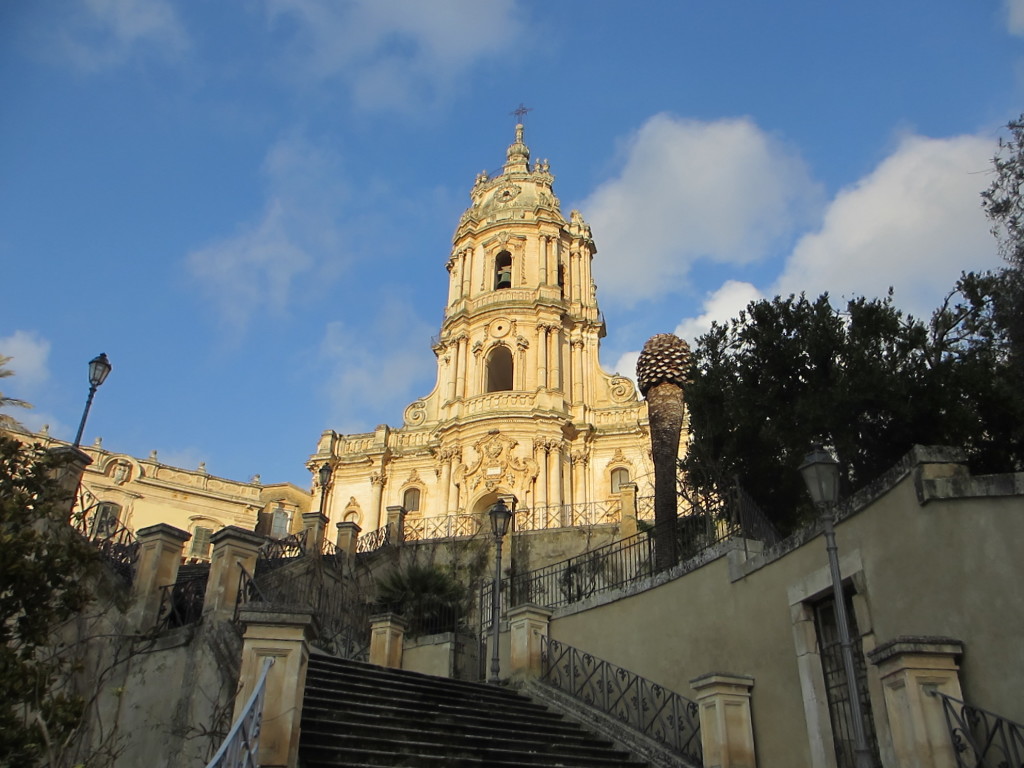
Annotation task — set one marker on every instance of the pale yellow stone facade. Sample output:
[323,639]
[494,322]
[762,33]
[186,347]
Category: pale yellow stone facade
[122,491]
[521,405]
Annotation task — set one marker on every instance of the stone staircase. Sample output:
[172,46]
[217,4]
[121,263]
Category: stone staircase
[359,715]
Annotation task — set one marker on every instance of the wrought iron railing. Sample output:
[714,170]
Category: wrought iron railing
[293,545]
[375,539]
[982,739]
[635,701]
[242,746]
[442,527]
[181,603]
[116,543]
[569,515]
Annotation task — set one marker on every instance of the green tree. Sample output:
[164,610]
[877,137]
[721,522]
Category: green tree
[44,573]
[7,421]
[431,598]
[870,381]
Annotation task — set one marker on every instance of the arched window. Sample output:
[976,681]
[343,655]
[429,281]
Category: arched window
[411,500]
[201,541]
[499,369]
[503,270]
[620,476]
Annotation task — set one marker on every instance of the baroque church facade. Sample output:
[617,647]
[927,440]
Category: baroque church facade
[521,405]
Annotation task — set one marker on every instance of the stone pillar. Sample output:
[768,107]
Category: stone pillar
[396,519]
[542,259]
[387,638]
[627,510]
[542,356]
[159,557]
[576,261]
[377,480]
[528,623]
[445,455]
[234,548]
[726,729]
[463,362]
[285,637]
[554,358]
[315,526]
[467,272]
[348,537]
[554,472]
[577,370]
[909,668]
[68,474]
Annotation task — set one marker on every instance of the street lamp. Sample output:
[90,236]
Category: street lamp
[821,474]
[324,474]
[501,516]
[99,368]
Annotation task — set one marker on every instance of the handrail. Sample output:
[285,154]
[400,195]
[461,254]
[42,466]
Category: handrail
[981,739]
[241,747]
[646,707]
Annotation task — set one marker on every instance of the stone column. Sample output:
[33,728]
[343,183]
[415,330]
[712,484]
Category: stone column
[387,638]
[541,483]
[234,548]
[315,526]
[627,510]
[463,358]
[554,472]
[159,557]
[909,668]
[542,259]
[576,261]
[377,480]
[284,637]
[726,730]
[467,270]
[396,520]
[348,537]
[577,370]
[451,371]
[554,359]
[542,356]
[446,455]
[528,623]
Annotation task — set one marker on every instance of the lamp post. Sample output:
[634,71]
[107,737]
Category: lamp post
[324,474]
[501,516]
[821,474]
[99,368]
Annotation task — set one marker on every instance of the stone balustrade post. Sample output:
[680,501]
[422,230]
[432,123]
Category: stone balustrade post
[396,519]
[627,510]
[234,548]
[71,464]
[909,668]
[387,639]
[315,526]
[284,636]
[157,566]
[528,624]
[726,728]
[348,537]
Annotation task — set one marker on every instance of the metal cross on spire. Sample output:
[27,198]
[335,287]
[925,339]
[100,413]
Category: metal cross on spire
[520,112]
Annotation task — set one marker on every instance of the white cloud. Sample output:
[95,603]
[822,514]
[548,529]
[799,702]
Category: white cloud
[720,306]
[396,54]
[723,191]
[914,223]
[29,353]
[255,269]
[107,33]
[1015,17]
[375,370]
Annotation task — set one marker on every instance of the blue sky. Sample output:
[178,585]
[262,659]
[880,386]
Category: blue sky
[248,206]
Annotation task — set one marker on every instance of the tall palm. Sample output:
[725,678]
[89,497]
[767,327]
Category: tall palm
[661,374]
[9,422]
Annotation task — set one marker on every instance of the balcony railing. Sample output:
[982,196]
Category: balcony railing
[116,543]
[646,707]
[982,739]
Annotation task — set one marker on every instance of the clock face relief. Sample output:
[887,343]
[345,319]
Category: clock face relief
[499,328]
[506,194]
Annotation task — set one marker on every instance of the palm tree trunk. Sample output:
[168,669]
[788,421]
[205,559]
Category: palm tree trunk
[665,411]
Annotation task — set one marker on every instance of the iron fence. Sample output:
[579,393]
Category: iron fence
[981,739]
[635,701]
[116,543]
[376,539]
[242,745]
[181,603]
[568,515]
[442,527]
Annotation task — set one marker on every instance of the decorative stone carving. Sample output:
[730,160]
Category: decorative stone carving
[416,413]
[378,478]
[621,390]
[496,464]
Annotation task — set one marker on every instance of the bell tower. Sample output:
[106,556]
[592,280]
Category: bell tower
[521,404]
